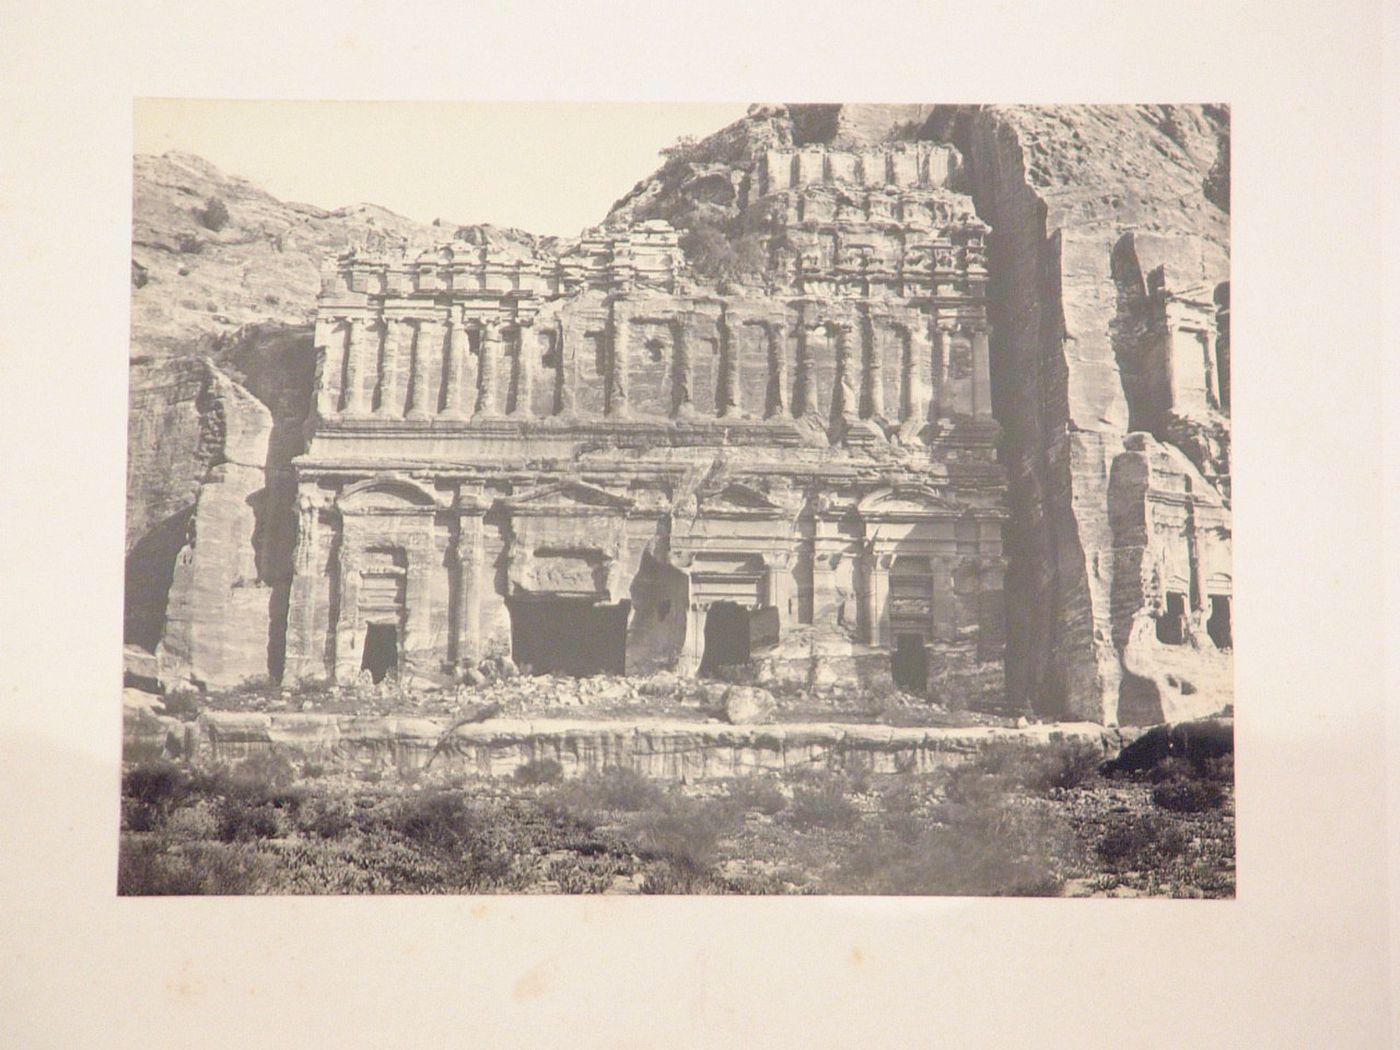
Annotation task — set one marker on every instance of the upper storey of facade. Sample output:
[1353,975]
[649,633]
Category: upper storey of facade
[866,329]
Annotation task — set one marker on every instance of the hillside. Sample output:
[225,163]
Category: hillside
[191,281]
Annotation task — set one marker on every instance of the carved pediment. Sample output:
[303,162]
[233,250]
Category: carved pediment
[568,497]
[737,498]
[386,494]
[907,503]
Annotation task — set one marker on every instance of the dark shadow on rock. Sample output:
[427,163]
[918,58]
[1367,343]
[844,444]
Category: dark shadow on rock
[150,567]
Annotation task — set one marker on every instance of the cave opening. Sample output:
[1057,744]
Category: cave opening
[575,637]
[1218,626]
[1171,624]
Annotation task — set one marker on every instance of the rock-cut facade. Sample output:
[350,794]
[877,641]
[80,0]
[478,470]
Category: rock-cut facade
[597,462]
[927,397]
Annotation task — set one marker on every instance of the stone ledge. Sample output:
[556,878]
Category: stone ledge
[667,749]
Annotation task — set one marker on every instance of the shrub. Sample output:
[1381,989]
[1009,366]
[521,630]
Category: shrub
[823,805]
[539,771]
[757,795]
[713,255]
[994,851]
[307,686]
[666,877]
[262,772]
[153,869]
[1220,769]
[901,816]
[440,820]
[616,787]
[242,821]
[1188,795]
[253,686]
[150,791]
[214,214]
[155,783]
[684,832]
[681,151]
[182,703]
[1007,767]
[445,823]
[189,244]
[327,818]
[1066,764]
[1141,843]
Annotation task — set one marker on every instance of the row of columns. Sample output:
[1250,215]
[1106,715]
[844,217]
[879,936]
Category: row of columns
[382,354]
[385,355]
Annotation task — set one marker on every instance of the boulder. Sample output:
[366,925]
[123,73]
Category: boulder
[1196,741]
[747,705]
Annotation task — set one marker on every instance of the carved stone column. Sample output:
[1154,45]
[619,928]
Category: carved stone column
[490,364]
[731,349]
[981,372]
[827,550]
[681,378]
[620,362]
[777,584]
[364,346]
[458,351]
[348,602]
[874,379]
[523,378]
[335,345]
[920,392]
[693,650]
[300,660]
[778,402]
[426,349]
[877,590]
[417,654]
[1212,374]
[942,333]
[847,384]
[398,344]
[469,582]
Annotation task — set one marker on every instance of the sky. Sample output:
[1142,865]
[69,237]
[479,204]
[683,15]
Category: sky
[545,167]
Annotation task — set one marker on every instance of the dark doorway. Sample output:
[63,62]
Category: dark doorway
[726,637]
[909,664]
[1218,626]
[1171,625]
[381,650]
[568,636]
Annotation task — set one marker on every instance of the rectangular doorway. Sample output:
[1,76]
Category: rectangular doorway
[909,664]
[381,650]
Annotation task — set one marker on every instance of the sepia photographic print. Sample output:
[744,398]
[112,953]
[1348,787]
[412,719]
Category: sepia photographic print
[842,506]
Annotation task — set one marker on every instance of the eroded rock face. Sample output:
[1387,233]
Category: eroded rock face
[1109,306]
[216,617]
[221,316]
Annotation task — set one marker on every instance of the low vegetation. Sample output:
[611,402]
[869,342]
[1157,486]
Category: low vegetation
[1014,820]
